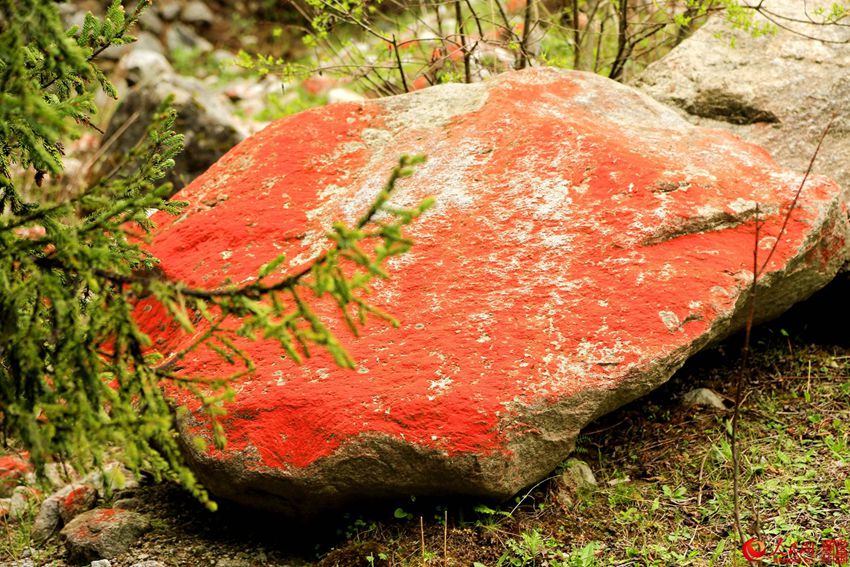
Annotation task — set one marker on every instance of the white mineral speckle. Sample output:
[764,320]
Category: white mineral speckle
[440,384]
[767,243]
[670,320]
[741,205]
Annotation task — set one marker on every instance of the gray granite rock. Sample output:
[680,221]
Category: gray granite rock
[779,90]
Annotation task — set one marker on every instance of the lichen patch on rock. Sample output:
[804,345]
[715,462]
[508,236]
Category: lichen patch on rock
[586,241]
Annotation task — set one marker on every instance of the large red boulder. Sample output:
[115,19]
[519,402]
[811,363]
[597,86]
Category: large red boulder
[585,242]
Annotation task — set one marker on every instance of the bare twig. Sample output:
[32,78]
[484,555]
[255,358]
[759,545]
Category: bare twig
[758,270]
[622,30]
[467,71]
[445,537]
[526,34]
[576,35]
[422,536]
[400,66]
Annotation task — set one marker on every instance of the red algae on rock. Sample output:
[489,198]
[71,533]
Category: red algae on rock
[584,243]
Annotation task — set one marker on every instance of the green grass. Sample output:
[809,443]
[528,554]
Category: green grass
[664,473]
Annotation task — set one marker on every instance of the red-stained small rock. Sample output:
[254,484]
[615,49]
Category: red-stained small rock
[102,533]
[77,501]
[585,242]
[13,469]
[61,507]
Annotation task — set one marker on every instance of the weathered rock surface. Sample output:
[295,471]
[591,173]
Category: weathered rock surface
[144,66]
[102,533]
[206,118]
[703,397]
[585,242]
[62,506]
[576,480]
[779,90]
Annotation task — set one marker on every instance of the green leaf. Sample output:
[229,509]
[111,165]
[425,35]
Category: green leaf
[270,267]
[400,514]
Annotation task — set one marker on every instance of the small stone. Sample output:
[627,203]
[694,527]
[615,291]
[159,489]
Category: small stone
[223,58]
[578,474]
[703,397]
[47,521]
[78,500]
[206,117]
[197,12]
[101,563]
[168,9]
[149,563]
[141,65]
[179,36]
[59,475]
[113,477]
[61,507]
[114,52]
[233,562]
[102,533]
[13,469]
[576,479]
[128,503]
[71,14]
[147,41]
[319,84]
[20,501]
[150,21]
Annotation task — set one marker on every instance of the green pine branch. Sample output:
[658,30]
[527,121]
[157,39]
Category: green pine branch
[78,377]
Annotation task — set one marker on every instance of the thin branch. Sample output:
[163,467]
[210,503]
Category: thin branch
[256,289]
[745,359]
[798,193]
[772,19]
[467,72]
[526,35]
[400,66]
[622,29]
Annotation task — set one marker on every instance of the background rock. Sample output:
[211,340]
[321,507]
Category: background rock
[144,65]
[180,36]
[13,470]
[66,503]
[168,9]
[778,90]
[197,12]
[204,118]
[102,533]
[703,397]
[576,480]
[586,241]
